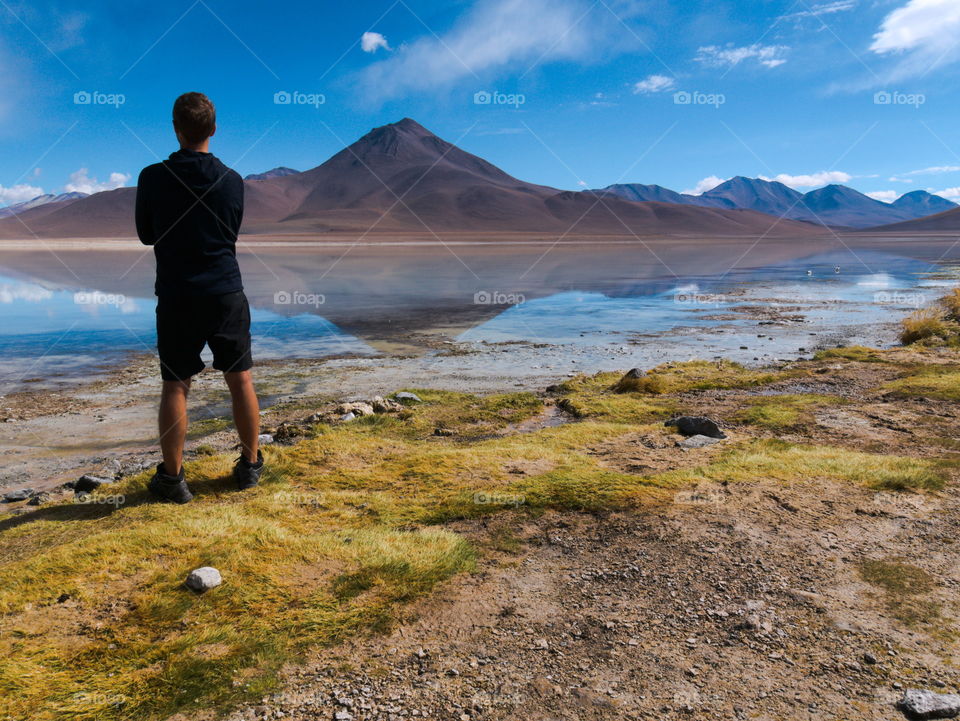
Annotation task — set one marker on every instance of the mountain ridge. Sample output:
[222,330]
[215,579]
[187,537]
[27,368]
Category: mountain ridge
[400,177]
[832,205]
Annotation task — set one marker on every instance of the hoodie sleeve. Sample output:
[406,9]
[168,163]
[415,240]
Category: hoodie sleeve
[240,211]
[143,216]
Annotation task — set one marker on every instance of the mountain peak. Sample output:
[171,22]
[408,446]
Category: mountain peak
[922,202]
[409,124]
[278,172]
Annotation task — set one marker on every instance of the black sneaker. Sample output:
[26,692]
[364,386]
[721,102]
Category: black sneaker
[247,474]
[169,488]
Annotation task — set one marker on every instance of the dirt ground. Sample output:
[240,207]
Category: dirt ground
[733,602]
[730,601]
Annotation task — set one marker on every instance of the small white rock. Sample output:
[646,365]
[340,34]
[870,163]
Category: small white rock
[203,579]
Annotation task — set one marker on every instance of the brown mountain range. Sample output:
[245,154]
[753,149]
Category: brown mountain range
[945,222]
[402,178]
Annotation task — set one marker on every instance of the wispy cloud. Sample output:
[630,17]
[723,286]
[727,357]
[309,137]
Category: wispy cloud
[812,180]
[492,37]
[654,84]
[81,182]
[717,56]
[935,170]
[923,34]
[820,9]
[884,196]
[948,193]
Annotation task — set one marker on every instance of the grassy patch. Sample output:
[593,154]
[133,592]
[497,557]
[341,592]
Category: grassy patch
[781,461]
[941,382]
[697,375]
[643,399]
[903,586]
[937,325]
[205,426]
[858,353]
[465,414]
[783,411]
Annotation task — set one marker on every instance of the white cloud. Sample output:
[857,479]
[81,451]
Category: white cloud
[371,42]
[654,84]
[813,180]
[23,291]
[936,169]
[18,193]
[924,33]
[704,185]
[492,36]
[885,196]
[716,56]
[949,193]
[81,182]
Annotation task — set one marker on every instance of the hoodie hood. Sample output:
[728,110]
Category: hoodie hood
[198,171]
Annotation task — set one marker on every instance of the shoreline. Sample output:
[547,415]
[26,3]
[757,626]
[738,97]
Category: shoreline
[457,238]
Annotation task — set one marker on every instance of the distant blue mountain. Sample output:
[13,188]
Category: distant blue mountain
[833,205]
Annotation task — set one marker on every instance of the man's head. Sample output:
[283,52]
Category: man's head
[194,120]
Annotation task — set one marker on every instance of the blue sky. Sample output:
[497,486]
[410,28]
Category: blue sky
[569,93]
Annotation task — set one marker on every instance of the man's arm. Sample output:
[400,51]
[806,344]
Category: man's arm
[240,213]
[144,219]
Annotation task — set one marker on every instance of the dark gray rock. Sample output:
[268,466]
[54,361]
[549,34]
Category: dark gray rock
[18,495]
[696,426]
[38,499]
[203,579]
[922,704]
[88,483]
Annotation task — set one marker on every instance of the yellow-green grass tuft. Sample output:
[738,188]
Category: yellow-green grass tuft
[929,325]
[781,461]
[779,412]
[857,353]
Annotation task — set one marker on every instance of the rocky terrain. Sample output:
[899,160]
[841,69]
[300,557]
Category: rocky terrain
[758,576]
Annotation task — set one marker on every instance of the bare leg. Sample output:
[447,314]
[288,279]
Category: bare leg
[246,411]
[173,424]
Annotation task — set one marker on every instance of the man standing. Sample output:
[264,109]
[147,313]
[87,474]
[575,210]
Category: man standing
[189,208]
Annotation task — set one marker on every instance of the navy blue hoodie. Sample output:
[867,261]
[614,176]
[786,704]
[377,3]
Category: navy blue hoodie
[189,208]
